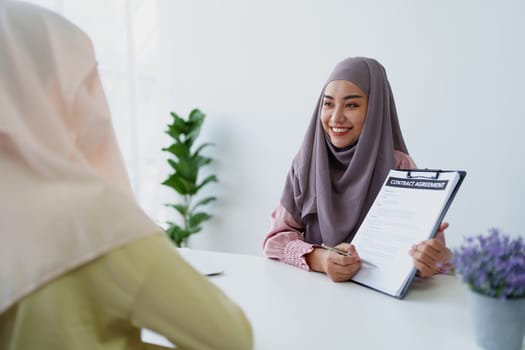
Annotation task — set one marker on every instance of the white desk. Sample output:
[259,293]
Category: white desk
[293,309]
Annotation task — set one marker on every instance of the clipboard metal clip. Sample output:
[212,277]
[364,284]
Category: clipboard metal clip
[421,174]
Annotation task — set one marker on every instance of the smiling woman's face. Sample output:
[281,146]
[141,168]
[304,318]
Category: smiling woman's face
[343,112]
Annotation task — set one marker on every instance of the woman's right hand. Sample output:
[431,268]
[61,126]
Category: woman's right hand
[338,267]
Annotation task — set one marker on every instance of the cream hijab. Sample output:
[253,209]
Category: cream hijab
[65,198]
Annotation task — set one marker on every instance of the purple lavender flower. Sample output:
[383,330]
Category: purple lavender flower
[492,265]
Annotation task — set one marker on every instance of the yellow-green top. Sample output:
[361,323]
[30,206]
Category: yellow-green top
[105,303]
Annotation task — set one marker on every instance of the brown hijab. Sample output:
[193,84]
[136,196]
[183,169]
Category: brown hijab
[329,190]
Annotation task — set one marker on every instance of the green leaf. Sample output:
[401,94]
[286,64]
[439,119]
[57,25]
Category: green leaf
[173,130]
[177,234]
[178,127]
[211,178]
[192,135]
[172,163]
[173,135]
[182,209]
[196,219]
[179,150]
[203,202]
[193,230]
[174,183]
[196,115]
[201,147]
[196,119]
[180,185]
[181,124]
[188,169]
[201,161]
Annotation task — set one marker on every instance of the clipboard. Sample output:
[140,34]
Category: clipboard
[408,209]
[434,174]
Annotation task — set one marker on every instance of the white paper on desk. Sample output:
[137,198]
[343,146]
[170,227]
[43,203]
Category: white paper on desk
[400,217]
[200,262]
[150,337]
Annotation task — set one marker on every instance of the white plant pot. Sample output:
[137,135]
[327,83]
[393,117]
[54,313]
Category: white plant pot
[498,324]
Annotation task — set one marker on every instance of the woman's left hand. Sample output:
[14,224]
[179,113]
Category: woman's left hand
[431,255]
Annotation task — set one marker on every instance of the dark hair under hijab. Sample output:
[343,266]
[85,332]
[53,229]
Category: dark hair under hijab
[329,190]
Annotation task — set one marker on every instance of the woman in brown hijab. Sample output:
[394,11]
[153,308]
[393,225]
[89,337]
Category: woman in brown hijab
[353,140]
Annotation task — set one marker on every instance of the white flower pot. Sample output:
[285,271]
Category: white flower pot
[498,324]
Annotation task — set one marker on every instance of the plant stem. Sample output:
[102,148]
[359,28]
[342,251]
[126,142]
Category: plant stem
[187,203]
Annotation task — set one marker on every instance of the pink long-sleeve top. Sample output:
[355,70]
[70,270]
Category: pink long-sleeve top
[285,241]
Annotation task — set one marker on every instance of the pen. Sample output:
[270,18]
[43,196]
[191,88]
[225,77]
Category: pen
[342,252]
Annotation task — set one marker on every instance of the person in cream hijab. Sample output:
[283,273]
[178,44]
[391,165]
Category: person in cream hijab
[82,266]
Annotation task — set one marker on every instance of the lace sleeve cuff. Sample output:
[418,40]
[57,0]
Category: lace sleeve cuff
[294,253]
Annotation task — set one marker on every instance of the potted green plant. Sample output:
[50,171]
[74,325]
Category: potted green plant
[493,266]
[186,161]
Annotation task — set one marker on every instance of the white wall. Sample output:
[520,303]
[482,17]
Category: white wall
[256,69]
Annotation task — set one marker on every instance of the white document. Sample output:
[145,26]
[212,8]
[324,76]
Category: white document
[408,209]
